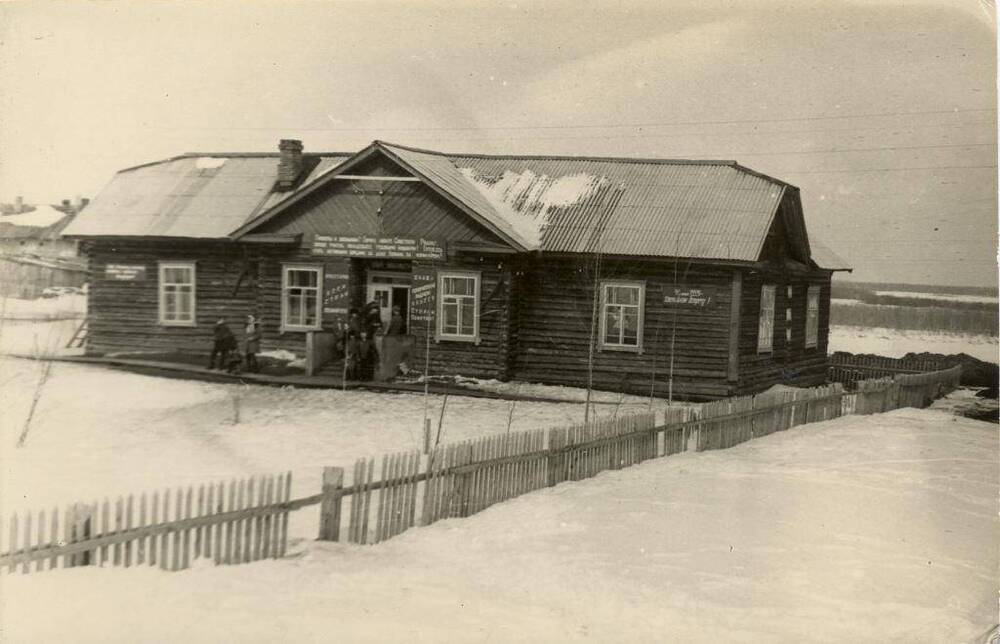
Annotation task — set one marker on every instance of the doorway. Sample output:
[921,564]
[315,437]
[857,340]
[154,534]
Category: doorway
[390,290]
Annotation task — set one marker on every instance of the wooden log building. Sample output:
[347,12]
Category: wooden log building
[691,278]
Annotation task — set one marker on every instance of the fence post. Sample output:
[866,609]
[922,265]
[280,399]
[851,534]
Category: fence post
[329,509]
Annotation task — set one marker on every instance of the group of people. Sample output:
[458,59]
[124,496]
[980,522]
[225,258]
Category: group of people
[225,348]
[355,343]
[356,339]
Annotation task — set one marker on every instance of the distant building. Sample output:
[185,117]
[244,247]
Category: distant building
[33,253]
[564,270]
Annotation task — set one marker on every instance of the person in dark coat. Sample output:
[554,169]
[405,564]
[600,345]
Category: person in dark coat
[224,342]
[367,357]
[372,318]
[396,324]
[251,344]
[352,356]
[354,324]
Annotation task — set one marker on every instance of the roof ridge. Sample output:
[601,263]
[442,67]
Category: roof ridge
[230,155]
[565,157]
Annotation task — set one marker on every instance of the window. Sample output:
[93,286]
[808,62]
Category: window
[300,297]
[177,293]
[765,330]
[458,306]
[621,315]
[812,317]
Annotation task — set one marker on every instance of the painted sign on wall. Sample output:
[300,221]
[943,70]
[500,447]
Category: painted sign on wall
[125,272]
[422,296]
[336,287]
[690,297]
[386,247]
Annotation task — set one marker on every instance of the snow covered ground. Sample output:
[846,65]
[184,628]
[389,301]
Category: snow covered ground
[945,297]
[895,343]
[44,308]
[863,529]
[99,432]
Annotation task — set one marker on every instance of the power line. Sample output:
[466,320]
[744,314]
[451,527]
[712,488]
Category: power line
[657,124]
[795,119]
[838,150]
[863,170]
[676,135]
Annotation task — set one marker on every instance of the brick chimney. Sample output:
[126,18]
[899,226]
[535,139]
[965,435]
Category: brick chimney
[289,164]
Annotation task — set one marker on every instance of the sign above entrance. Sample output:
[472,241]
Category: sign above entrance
[389,247]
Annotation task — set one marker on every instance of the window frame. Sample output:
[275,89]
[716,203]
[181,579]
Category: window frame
[285,269]
[162,267]
[768,346]
[602,343]
[440,334]
[812,316]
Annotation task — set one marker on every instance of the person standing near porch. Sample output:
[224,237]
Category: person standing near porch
[372,318]
[251,344]
[396,323]
[352,349]
[223,343]
[367,358]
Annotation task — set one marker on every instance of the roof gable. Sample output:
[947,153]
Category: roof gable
[377,199]
[434,170]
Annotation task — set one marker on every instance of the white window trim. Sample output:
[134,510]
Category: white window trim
[812,321]
[765,344]
[318,268]
[638,346]
[439,308]
[163,266]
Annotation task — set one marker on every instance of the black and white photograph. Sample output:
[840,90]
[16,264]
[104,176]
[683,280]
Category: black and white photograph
[499,321]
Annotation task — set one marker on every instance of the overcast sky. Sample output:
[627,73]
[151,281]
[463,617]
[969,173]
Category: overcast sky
[784,87]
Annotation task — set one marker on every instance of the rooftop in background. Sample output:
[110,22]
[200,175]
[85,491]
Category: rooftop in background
[43,222]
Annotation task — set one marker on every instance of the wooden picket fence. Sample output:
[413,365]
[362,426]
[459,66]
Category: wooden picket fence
[238,522]
[905,390]
[248,520]
[725,423]
[849,369]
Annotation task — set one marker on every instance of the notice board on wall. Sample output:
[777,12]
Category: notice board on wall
[336,289]
[690,297]
[125,272]
[423,297]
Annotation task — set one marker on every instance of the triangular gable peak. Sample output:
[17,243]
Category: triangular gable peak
[380,193]
[787,237]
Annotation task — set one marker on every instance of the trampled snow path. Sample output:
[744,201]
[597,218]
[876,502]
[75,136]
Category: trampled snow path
[863,529]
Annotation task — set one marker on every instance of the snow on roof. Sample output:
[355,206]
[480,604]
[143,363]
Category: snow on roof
[525,199]
[41,217]
[209,163]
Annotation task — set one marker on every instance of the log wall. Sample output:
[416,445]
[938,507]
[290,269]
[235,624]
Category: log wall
[123,314]
[490,358]
[788,363]
[554,328]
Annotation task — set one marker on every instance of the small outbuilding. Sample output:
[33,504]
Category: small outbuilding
[691,279]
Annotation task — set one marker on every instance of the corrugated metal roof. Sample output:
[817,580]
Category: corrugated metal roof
[196,196]
[826,258]
[441,171]
[644,207]
[711,210]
